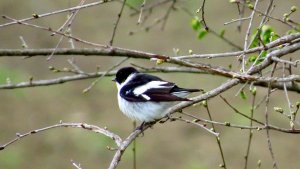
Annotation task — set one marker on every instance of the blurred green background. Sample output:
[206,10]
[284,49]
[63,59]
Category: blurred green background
[171,145]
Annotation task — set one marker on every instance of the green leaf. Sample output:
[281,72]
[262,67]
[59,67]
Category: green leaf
[253,91]
[274,36]
[298,28]
[252,58]
[134,3]
[263,55]
[222,33]
[265,34]
[291,31]
[195,23]
[243,95]
[201,34]
[297,105]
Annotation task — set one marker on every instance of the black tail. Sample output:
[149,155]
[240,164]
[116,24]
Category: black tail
[178,89]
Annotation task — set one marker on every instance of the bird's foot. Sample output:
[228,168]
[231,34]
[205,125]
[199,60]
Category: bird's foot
[143,125]
[165,119]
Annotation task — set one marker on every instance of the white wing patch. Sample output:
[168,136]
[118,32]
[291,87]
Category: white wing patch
[150,85]
[145,97]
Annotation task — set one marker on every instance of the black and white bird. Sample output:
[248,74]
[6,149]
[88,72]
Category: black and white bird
[146,97]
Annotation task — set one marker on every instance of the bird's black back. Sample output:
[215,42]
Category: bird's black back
[163,94]
[138,80]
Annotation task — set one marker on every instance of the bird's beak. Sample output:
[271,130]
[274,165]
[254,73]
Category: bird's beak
[114,80]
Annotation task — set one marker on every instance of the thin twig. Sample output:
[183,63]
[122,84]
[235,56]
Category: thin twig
[202,15]
[121,149]
[225,124]
[141,12]
[228,41]
[166,16]
[271,17]
[84,75]
[67,23]
[240,113]
[197,124]
[97,80]
[218,139]
[53,31]
[55,12]
[77,166]
[247,35]
[257,128]
[70,19]
[267,121]
[231,43]
[250,130]
[134,148]
[24,44]
[237,20]
[116,24]
[149,8]
[262,22]
[241,15]
[292,117]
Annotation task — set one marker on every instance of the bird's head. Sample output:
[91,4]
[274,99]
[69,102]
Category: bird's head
[123,74]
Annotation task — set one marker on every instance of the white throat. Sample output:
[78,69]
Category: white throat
[119,86]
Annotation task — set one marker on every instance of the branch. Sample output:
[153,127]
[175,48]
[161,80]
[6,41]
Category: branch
[260,81]
[84,126]
[116,24]
[36,16]
[121,149]
[117,51]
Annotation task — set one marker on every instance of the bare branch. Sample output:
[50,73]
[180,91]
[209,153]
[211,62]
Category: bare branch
[267,121]
[248,34]
[197,124]
[116,24]
[84,126]
[36,16]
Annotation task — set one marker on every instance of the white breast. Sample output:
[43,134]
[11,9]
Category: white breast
[143,111]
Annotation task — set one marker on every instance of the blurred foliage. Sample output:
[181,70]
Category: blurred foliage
[12,159]
[135,3]
[9,75]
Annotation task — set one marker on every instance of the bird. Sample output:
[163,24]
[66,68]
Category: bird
[146,98]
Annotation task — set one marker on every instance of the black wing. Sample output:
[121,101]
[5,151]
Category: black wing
[162,93]
[165,94]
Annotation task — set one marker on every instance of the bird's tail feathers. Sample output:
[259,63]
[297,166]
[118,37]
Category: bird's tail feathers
[178,89]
